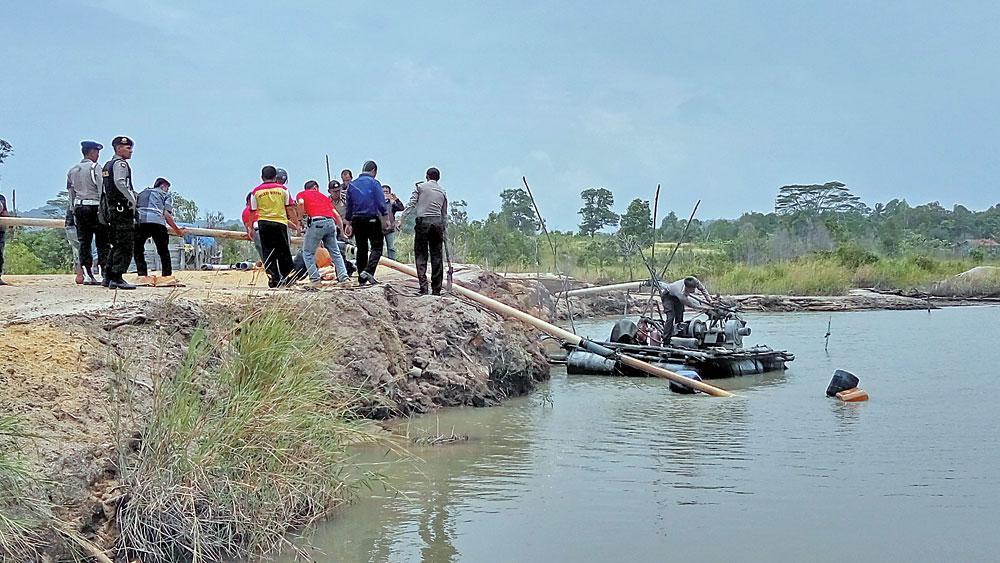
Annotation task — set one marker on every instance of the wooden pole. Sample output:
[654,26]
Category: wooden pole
[656,204]
[564,334]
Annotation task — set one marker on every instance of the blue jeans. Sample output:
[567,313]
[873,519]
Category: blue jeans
[323,231]
[390,245]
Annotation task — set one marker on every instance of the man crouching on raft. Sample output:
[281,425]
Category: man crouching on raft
[677,294]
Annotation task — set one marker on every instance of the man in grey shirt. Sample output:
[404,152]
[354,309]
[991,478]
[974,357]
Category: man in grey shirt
[155,211]
[675,296]
[430,204]
[84,184]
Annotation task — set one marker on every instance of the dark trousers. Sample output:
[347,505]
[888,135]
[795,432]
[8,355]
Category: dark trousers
[122,231]
[88,228]
[673,313]
[368,235]
[277,253]
[161,239]
[3,242]
[428,238]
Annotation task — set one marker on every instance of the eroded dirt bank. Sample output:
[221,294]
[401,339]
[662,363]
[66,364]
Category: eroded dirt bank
[63,374]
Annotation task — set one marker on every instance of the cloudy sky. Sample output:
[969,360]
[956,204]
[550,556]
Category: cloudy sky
[723,101]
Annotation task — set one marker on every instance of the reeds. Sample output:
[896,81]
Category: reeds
[245,443]
[25,516]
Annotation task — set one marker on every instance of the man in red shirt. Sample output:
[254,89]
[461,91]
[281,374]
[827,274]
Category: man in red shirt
[321,222]
[250,224]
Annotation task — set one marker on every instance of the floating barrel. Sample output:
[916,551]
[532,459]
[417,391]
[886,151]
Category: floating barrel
[683,389]
[624,332]
[842,381]
[579,362]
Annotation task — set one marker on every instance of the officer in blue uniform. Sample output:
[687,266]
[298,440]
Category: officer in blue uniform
[118,212]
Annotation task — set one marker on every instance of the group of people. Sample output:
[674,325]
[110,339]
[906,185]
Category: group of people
[358,210]
[105,212]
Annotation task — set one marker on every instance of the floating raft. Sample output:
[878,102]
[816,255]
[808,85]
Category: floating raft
[707,363]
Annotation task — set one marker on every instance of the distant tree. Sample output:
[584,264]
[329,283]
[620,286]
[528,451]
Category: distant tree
[57,206]
[5,150]
[185,210]
[596,211]
[816,199]
[213,220]
[669,227]
[516,209]
[637,222]
[458,214]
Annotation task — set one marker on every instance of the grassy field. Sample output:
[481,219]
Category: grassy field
[816,274]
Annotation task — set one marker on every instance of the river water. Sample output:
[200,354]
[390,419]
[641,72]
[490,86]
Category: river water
[594,468]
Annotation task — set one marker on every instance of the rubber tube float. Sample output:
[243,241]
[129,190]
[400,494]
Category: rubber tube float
[566,335]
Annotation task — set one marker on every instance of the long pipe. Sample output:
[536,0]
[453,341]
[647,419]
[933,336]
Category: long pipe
[59,224]
[566,335]
[605,288]
[481,299]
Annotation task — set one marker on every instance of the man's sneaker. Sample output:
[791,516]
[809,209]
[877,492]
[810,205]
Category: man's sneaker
[120,285]
[91,281]
[365,277]
[346,282]
[106,282]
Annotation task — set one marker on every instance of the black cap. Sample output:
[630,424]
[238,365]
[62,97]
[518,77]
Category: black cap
[121,140]
[90,146]
[333,185]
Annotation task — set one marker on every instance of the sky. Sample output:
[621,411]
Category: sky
[720,101]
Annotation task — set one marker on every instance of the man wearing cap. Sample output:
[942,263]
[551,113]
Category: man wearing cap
[365,209]
[118,209]
[430,204]
[320,221]
[84,184]
[155,212]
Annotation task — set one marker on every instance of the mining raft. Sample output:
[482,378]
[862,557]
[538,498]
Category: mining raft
[709,346]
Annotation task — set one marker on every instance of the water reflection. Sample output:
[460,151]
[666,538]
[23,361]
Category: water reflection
[598,468]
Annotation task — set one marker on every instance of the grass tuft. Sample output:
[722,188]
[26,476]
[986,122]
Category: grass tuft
[247,442]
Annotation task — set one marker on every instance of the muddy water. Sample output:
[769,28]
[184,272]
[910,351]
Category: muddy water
[601,469]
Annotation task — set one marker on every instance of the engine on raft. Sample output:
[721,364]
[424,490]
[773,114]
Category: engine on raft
[708,346]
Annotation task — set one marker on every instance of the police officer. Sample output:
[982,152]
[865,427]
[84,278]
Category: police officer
[118,210]
[83,182]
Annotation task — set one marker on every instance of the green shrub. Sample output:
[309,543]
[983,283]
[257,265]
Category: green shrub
[247,442]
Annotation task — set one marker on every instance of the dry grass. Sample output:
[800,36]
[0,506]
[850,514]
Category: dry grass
[244,444]
[25,517]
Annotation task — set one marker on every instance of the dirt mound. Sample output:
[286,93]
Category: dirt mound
[64,376]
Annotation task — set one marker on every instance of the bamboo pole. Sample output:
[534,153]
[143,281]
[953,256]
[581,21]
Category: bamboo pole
[565,335]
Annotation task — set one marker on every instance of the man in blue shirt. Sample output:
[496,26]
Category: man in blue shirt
[154,209]
[365,211]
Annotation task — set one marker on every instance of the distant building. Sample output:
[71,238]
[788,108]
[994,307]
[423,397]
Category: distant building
[987,245]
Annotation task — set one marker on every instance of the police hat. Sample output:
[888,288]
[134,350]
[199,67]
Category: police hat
[88,146]
[122,140]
